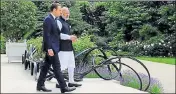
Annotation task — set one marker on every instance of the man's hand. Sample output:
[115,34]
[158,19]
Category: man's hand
[73,38]
[50,52]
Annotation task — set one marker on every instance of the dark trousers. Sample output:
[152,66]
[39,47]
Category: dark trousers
[54,61]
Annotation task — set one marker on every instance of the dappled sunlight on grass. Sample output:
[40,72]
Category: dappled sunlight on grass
[166,60]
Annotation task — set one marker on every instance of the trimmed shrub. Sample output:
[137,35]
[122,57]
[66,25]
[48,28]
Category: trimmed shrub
[83,43]
[37,42]
[3,47]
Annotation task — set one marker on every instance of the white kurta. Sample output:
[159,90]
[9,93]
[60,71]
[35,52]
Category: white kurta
[67,59]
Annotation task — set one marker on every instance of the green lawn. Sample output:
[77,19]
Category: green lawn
[92,75]
[166,60]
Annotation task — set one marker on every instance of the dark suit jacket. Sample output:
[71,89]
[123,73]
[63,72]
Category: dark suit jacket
[51,34]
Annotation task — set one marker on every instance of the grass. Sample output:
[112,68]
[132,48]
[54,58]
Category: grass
[135,84]
[155,89]
[165,60]
[92,75]
[132,83]
[131,80]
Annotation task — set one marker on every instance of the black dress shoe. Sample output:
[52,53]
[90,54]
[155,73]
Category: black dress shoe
[67,89]
[57,86]
[78,79]
[74,85]
[70,85]
[43,88]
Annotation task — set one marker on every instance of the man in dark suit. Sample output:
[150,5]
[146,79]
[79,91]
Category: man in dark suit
[51,47]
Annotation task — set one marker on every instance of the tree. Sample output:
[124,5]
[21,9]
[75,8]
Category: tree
[78,26]
[147,31]
[42,12]
[17,18]
[93,13]
[166,23]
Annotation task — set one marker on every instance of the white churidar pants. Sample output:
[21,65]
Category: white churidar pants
[67,60]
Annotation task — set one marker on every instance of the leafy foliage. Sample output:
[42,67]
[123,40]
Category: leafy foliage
[83,43]
[17,18]
[2,43]
[37,42]
[78,26]
[147,31]
[41,13]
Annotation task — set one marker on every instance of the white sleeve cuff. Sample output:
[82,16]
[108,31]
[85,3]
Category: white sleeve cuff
[64,36]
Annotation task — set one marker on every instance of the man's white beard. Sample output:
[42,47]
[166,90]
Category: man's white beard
[65,17]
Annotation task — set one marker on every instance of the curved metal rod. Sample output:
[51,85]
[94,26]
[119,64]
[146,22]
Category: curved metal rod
[118,70]
[140,81]
[93,62]
[144,68]
[86,50]
[93,68]
[107,63]
[101,50]
[136,61]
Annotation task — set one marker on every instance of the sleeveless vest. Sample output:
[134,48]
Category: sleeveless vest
[65,45]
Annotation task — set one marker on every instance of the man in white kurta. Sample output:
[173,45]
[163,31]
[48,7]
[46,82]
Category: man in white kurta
[66,55]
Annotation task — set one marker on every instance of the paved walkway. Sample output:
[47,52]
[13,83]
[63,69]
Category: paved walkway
[14,79]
